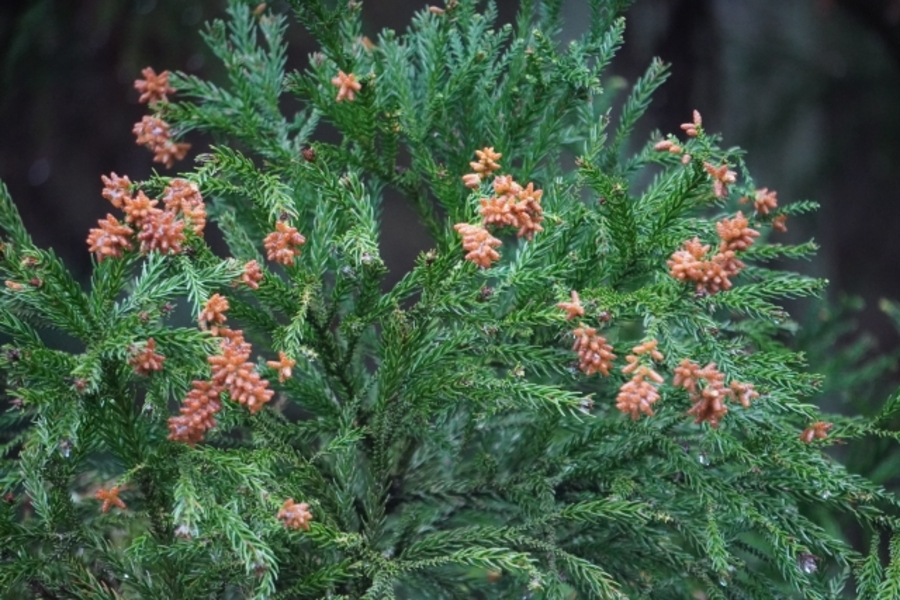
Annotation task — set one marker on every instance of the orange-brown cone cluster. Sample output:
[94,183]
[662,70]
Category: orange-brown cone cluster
[594,354]
[109,498]
[283,244]
[765,201]
[708,391]
[234,373]
[213,313]
[162,231]
[183,196]
[295,516]
[139,208]
[639,394]
[283,365]
[735,233]
[668,146]
[483,167]
[711,274]
[110,239]
[146,361]
[479,244]
[153,132]
[154,88]
[197,413]
[157,229]
[817,431]
[231,371]
[512,206]
[691,129]
[252,275]
[574,308]
[722,177]
[116,189]
[347,86]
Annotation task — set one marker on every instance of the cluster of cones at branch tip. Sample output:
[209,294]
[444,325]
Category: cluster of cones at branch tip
[519,207]
[511,206]
[166,230]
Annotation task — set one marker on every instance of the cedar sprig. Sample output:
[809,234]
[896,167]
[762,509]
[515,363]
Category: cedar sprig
[438,430]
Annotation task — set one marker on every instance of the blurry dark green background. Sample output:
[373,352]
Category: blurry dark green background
[811,88]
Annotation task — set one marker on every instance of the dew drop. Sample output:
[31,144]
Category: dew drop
[65,448]
[703,459]
[807,562]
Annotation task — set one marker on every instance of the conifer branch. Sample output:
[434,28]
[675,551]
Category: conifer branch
[584,388]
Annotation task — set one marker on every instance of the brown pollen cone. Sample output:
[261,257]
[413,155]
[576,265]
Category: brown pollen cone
[110,239]
[146,360]
[283,244]
[153,88]
[479,244]
[594,354]
[197,413]
[295,516]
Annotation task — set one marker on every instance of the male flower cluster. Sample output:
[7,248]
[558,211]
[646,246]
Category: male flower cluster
[722,177]
[479,244]
[708,392]
[574,308]
[252,275]
[512,206]
[594,354]
[711,274]
[153,132]
[638,394]
[283,244]
[283,365]
[691,129]
[347,86]
[295,516]
[109,498]
[765,201]
[198,412]
[184,196]
[110,239]
[817,431]
[153,87]
[146,360]
[157,229]
[231,371]
[483,167]
[213,314]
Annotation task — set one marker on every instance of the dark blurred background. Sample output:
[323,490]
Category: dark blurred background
[810,88]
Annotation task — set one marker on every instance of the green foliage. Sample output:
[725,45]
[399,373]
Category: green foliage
[438,430]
